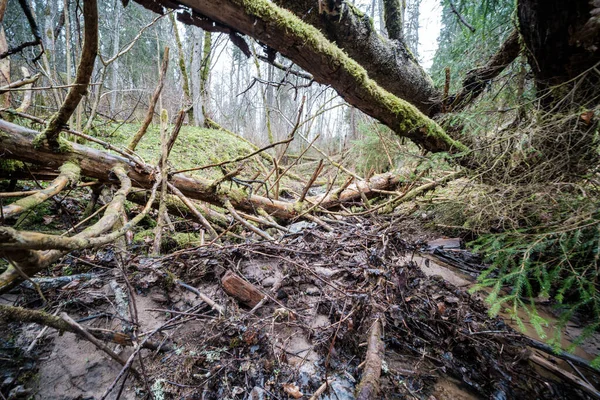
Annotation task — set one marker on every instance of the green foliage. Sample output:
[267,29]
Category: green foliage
[462,49]
[558,262]
[370,151]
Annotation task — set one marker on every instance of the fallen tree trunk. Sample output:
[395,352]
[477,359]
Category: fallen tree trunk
[307,47]
[389,62]
[29,261]
[18,143]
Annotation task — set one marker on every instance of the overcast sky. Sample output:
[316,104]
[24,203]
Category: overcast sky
[430,23]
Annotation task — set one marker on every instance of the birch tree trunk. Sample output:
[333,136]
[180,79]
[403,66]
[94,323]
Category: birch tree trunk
[114,72]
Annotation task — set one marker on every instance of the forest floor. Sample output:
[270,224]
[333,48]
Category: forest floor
[326,293]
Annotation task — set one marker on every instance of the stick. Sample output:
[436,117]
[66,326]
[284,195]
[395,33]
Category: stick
[565,375]
[312,179]
[193,209]
[369,384]
[80,331]
[321,389]
[202,296]
[245,223]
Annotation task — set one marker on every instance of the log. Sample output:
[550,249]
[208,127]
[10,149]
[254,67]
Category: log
[368,388]
[18,143]
[242,290]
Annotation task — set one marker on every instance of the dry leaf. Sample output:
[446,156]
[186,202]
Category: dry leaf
[292,390]
[587,117]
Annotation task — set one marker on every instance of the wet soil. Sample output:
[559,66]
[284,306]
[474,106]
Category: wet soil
[324,292]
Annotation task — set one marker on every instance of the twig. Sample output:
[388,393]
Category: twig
[312,179]
[89,337]
[460,17]
[194,211]
[245,223]
[238,159]
[202,296]
[321,389]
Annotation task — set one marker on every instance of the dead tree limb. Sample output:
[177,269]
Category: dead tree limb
[479,78]
[245,223]
[194,211]
[27,80]
[31,261]
[460,17]
[69,175]
[368,388]
[153,100]
[17,143]
[84,74]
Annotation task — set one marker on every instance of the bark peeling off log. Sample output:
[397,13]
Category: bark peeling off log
[241,290]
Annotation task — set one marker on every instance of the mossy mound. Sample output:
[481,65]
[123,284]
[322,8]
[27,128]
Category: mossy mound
[194,147]
[169,241]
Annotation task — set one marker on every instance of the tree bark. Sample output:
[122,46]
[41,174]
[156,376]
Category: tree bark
[5,62]
[392,11]
[17,142]
[389,63]
[559,49]
[307,47]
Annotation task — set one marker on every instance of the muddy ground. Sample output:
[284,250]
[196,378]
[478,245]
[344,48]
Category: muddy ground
[325,291]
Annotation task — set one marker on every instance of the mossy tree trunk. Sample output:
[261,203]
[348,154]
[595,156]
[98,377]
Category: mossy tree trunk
[307,47]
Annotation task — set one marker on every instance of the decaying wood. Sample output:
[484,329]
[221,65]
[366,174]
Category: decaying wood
[69,175]
[18,144]
[368,389]
[10,314]
[27,80]
[241,290]
[589,389]
[81,332]
[84,74]
[30,260]
[28,95]
[56,282]
[153,100]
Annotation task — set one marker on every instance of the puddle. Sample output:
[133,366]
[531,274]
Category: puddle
[587,350]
